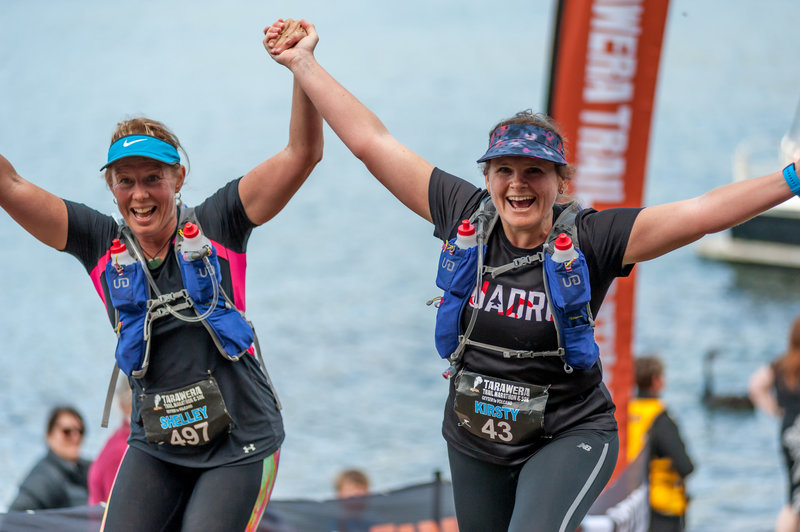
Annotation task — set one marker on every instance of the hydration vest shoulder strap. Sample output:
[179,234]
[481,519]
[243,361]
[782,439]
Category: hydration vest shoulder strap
[186,214]
[484,219]
[565,223]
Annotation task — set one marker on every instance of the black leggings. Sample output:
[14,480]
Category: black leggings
[551,492]
[153,495]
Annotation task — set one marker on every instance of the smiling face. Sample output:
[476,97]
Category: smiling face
[524,190]
[145,192]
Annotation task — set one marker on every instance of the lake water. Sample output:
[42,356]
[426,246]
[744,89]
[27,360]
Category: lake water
[337,282]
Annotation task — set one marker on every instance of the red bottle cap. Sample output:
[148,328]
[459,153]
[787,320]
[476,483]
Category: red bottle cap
[117,247]
[466,228]
[563,242]
[190,230]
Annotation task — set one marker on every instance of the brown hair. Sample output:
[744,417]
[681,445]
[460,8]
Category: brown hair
[543,121]
[789,364]
[141,125]
[353,476]
[647,368]
[56,412]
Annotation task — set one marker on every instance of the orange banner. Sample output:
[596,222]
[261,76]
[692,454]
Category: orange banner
[602,86]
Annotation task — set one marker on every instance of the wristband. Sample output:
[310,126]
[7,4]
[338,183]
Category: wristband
[790,175]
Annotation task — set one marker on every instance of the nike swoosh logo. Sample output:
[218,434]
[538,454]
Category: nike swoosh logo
[127,143]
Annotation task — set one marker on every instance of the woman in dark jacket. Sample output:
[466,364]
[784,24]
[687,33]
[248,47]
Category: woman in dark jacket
[59,479]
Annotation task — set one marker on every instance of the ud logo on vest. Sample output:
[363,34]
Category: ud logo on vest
[572,280]
[448,264]
[121,282]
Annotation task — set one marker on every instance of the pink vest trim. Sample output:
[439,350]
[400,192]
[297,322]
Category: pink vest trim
[238,266]
[95,274]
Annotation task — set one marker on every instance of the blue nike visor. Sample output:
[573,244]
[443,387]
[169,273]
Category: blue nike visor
[142,146]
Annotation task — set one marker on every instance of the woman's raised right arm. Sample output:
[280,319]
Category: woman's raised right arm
[42,214]
[404,173]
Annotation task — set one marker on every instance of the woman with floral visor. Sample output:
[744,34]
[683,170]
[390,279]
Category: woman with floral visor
[531,437]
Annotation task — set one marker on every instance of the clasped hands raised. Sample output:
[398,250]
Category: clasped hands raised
[283,35]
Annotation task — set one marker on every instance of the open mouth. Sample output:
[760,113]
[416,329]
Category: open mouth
[520,202]
[143,214]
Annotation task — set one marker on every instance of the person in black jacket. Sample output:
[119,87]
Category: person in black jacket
[668,462]
[59,479]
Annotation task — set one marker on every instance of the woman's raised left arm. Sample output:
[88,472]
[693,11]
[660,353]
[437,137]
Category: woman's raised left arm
[662,228]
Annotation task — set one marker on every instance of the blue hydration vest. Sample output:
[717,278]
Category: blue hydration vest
[461,271]
[138,302]
[130,287]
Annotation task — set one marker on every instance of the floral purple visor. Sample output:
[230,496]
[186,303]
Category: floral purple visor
[527,141]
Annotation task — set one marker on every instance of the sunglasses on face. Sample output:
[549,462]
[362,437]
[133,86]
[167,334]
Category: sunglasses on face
[71,431]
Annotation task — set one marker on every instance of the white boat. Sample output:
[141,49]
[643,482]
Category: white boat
[772,237]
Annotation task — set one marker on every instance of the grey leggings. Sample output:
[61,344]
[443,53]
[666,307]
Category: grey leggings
[551,492]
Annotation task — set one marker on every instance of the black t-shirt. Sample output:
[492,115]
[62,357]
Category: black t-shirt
[183,353]
[513,313]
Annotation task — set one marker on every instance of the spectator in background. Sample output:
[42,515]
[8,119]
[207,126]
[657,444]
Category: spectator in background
[104,469]
[351,483]
[775,389]
[668,463]
[59,479]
